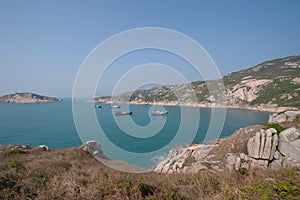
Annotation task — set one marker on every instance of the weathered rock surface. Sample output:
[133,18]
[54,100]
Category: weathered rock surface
[275,152]
[289,140]
[94,148]
[287,116]
[185,159]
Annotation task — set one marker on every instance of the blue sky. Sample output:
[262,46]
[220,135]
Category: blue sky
[43,43]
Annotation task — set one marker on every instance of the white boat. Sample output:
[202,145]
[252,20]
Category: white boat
[115,106]
[98,106]
[158,112]
[123,113]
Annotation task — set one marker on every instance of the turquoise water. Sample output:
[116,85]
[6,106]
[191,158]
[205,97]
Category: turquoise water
[52,124]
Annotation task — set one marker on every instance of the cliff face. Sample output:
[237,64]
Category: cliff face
[27,98]
[269,84]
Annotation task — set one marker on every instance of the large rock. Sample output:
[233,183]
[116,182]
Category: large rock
[285,116]
[250,146]
[268,145]
[288,150]
[262,141]
[231,162]
[290,135]
[184,159]
[94,148]
[277,118]
[262,147]
[274,146]
[292,115]
[257,144]
[289,143]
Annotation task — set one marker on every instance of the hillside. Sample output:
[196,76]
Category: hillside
[269,84]
[27,98]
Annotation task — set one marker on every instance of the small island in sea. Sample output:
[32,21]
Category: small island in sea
[26,97]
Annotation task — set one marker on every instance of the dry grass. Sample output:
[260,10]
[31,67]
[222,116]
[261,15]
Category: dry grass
[74,174]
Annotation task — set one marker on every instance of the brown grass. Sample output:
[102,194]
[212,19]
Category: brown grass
[74,174]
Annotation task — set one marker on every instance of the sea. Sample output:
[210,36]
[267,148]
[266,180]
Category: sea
[140,139]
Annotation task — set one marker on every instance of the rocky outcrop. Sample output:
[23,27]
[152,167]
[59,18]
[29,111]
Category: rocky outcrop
[290,144]
[27,98]
[246,91]
[43,147]
[287,116]
[185,159]
[250,148]
[94,148]
[268,150]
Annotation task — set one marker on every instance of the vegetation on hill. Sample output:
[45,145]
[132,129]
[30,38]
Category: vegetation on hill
[74,174]
[26,97]
[272,83]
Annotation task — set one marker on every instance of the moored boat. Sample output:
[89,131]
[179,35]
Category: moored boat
[157,112]
[123,113]
[115,106]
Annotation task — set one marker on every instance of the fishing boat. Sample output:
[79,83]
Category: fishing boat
[115,106]
[158,112]
[123,113]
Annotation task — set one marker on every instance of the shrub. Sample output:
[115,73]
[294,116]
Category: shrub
[146,189]
[278,127]
[12,164]
[189,161]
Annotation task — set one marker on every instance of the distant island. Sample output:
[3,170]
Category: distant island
[271,86]
[26,97]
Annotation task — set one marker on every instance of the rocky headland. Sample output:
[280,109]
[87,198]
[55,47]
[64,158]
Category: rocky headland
[275,145]
[27,98]
[271,86]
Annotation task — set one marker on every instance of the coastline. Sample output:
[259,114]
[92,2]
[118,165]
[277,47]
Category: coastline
[271,109]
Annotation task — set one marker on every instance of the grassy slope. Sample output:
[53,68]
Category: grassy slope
[74,174]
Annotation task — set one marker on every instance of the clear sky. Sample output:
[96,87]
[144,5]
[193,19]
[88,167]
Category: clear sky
[43,43]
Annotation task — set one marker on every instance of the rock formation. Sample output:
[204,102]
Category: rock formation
[266,148]
[287,116]
[94,148]
[181,159]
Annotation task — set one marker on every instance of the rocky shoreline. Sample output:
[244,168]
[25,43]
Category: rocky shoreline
[269,109]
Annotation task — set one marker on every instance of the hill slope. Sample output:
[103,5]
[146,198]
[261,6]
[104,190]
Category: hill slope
[26,98]
[269,84]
